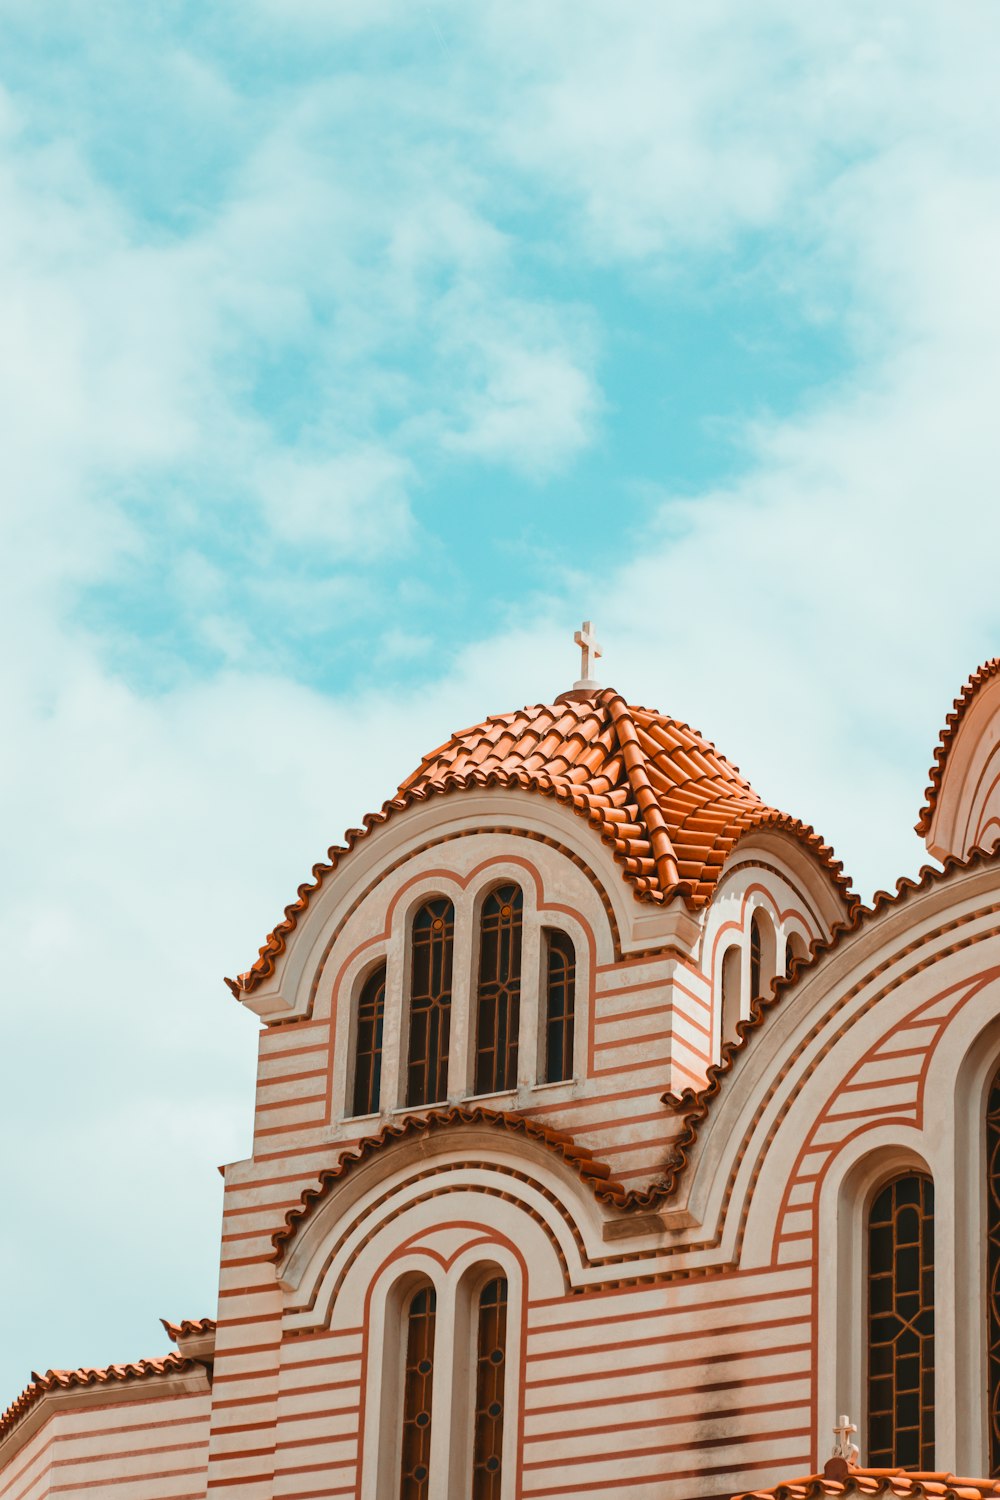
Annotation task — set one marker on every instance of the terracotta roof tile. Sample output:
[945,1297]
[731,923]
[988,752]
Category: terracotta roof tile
[841,1480]
[951,726]
[188,1327]
[669,806]
[57,1380]
[596,1174]
[693,1105]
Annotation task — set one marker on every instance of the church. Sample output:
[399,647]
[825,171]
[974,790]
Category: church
[605,1145]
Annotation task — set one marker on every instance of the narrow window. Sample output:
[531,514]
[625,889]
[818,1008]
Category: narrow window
[901,1324]
[418,1384]
[368,1046]
[560,1004]
[491,1347]
[756,957]
[993,1270]
[430,1002]
[499,993]
[731,986]
[795,948]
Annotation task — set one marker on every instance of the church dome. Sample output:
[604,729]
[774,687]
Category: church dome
[659,794]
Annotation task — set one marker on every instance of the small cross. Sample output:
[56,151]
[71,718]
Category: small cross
[590,652]
[844,1447]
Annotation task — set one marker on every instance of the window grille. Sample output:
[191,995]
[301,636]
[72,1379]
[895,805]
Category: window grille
[491,1349]
[430,1002]
[418,1384]
[560,1005]
[499,992]
[901,1324]
[368,1044]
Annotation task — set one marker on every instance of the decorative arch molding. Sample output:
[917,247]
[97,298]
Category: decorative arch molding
[408,1193]
[284,987]
[858,1171]
[453,1258]
[759,884]
[962,800]
[733,1128]
[819,899]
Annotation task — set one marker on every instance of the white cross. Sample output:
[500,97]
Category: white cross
[844,1447]
[590,652]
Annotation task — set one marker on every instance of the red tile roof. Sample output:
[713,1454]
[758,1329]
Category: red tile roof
[667,804]
[596,1174]
[839,1480]
[692,1105]
[951,726]
[188,1326]
[63,1380]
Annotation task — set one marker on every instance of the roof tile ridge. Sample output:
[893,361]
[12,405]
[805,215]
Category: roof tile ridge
[88,1376]
[942,749]
[593,1172]
[692,1104]
[646,800]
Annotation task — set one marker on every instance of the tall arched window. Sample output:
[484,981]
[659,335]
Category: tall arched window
[762,955]
[430,1002]
[901,1324]
[993,1270]
[491,1350]
[368,1043]
[418,1386]
[560,1005]
[732,977]
[498,1000]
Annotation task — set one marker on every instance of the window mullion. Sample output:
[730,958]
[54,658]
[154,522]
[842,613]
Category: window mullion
[460,1062]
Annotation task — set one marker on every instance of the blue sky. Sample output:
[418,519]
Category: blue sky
[350,355]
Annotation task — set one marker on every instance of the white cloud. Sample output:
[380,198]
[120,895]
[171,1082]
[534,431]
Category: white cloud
[356,502]
[815,616]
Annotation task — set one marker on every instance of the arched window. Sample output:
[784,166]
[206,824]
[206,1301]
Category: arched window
[418,1385]
[795,948]
[368,1043]
[560,1005]
[430,1002]
[731,987]
[993,1270]
[901,1324]
[491,1350]
[498,1000]
[762,955]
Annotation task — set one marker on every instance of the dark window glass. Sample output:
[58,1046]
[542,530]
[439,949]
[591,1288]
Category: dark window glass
[560,1005]
[418,1385]
[499,993]
[368,1047]
[491,1351]
[756,957]
[993,1270]
[430,1002]
[901,1324]
[789,955]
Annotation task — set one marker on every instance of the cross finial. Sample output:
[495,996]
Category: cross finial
[590,651]
[844,1448]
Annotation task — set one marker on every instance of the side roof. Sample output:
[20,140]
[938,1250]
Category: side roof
[659,794]
[53,1381]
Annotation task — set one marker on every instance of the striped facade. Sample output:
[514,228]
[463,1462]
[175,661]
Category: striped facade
[679,1225]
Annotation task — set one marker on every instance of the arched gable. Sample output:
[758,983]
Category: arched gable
[962,807]
[735,1159]
[416,1176]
